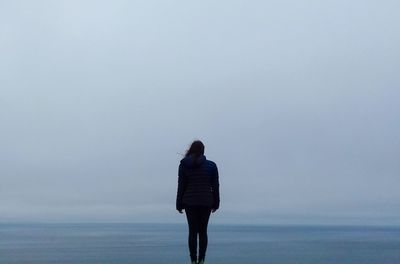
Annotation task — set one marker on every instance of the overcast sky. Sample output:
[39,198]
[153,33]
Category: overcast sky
[298,103]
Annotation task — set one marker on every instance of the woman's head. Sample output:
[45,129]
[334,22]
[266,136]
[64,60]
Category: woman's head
[196,149]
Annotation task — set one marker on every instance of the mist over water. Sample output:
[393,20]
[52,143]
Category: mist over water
[296,101]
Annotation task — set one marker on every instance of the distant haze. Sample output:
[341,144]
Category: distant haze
[298,102]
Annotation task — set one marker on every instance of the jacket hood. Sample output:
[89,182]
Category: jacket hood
[192,161]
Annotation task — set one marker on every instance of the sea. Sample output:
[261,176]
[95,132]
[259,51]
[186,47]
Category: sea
[167,243]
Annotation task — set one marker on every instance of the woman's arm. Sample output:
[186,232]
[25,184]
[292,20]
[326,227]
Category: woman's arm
[181,188]
[215,188]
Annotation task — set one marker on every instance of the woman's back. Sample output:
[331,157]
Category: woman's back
[200,181]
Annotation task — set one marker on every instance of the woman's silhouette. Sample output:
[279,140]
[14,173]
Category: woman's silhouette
[198,194]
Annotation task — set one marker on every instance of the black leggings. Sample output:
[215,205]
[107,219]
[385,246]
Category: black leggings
[197,217]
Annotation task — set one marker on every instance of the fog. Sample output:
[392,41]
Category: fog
[296,101]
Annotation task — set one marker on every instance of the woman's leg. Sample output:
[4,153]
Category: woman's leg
[192,216]
[204,216]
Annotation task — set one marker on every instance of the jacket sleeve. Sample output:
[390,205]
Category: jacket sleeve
[181,187]
[215,188]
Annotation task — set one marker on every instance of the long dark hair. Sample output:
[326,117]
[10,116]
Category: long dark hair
[196,149]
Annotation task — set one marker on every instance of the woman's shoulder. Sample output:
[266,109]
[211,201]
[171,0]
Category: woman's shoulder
[211,163]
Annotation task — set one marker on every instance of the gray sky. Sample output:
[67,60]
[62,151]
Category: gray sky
[296,101]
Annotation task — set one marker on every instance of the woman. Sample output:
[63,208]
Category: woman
[198,194]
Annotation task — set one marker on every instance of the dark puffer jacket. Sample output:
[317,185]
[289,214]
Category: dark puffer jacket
[198,183]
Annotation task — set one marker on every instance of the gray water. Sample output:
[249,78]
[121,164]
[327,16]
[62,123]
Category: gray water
[158,243]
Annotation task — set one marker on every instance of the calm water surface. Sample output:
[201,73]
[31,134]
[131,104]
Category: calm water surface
[157,243]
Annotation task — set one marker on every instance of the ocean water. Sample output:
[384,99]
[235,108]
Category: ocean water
[167,243]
